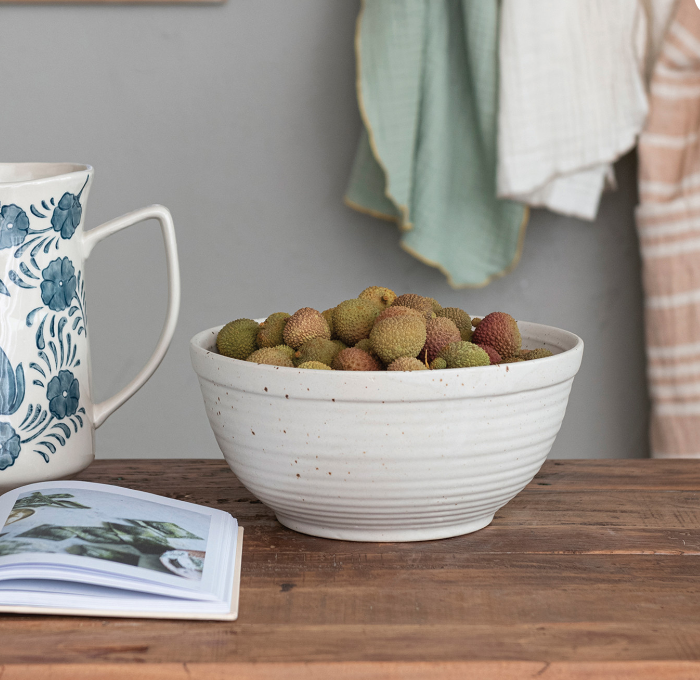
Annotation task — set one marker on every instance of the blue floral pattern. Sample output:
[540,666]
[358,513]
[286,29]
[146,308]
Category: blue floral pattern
[66,215]
[14,225]
[59,284]
[63,393]
[9,446]
[16,231]
[11,386]
[50,421]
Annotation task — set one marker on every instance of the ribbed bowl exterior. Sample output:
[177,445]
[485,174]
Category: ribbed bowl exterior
[390,456]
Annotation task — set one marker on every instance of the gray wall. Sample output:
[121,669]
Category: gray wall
[242,119]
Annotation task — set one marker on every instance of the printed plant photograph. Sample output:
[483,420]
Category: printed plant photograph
[107,526]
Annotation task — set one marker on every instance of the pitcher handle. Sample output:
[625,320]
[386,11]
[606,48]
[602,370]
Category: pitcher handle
[91,238]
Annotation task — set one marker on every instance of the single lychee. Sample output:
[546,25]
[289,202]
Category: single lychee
[317,349]
[440,331]
[270,332]
[399,311]
[382,297]
[461,320]
[463,355]
[539,353]
[286,349]
[418,302]
[494,356]
[315,365]
[271,356]
[353,359]
[328,316]
[500,331]
[435,304]
[399,336]
[407,364]
[353,320]
[237,339]
[304,324]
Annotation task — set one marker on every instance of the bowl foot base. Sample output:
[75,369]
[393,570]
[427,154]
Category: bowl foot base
[385,534]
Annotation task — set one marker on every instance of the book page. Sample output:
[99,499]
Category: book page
[98,529]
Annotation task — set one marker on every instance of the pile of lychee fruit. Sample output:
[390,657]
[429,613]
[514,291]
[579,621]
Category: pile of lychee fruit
[377,331]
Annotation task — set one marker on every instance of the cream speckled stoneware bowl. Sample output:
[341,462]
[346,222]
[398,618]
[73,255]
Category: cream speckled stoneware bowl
[388,456]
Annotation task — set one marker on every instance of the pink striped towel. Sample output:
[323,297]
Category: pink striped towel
[668,221]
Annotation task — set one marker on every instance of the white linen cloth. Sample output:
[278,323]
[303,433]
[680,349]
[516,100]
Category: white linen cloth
[572,95]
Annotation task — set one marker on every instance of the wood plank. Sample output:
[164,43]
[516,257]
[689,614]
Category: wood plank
[672,474]
[459,670]
[550,592]
[92,641]
[604,508]
[593,609]
[495,539]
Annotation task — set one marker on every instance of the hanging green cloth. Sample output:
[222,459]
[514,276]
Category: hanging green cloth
[427,87]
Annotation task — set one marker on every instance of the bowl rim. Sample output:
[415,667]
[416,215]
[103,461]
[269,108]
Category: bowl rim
[200,344]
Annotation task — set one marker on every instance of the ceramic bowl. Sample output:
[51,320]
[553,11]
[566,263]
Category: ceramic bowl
[387,456]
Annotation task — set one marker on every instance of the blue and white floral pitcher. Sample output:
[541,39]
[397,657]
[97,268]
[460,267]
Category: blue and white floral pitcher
[47,417]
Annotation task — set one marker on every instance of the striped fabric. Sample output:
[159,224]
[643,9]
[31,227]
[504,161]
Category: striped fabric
[668,221]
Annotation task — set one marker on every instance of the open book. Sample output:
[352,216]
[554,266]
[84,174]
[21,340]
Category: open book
[96,550]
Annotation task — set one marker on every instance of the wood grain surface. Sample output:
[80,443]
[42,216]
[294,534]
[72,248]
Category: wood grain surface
[592,571]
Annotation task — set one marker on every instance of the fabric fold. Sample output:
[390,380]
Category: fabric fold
[427,87]
[572,95]
[572,98]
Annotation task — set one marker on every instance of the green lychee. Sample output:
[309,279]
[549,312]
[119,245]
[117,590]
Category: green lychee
[464,354]
[270,356]
[398,336]
[270,332]
[539,353]
[382,297]
[317,349]
[316,365]
[237,339]
[353,320]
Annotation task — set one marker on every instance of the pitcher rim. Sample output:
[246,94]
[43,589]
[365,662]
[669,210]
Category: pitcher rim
[61,170]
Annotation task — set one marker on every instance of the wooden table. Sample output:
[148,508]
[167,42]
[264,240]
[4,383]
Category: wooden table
[593,571]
